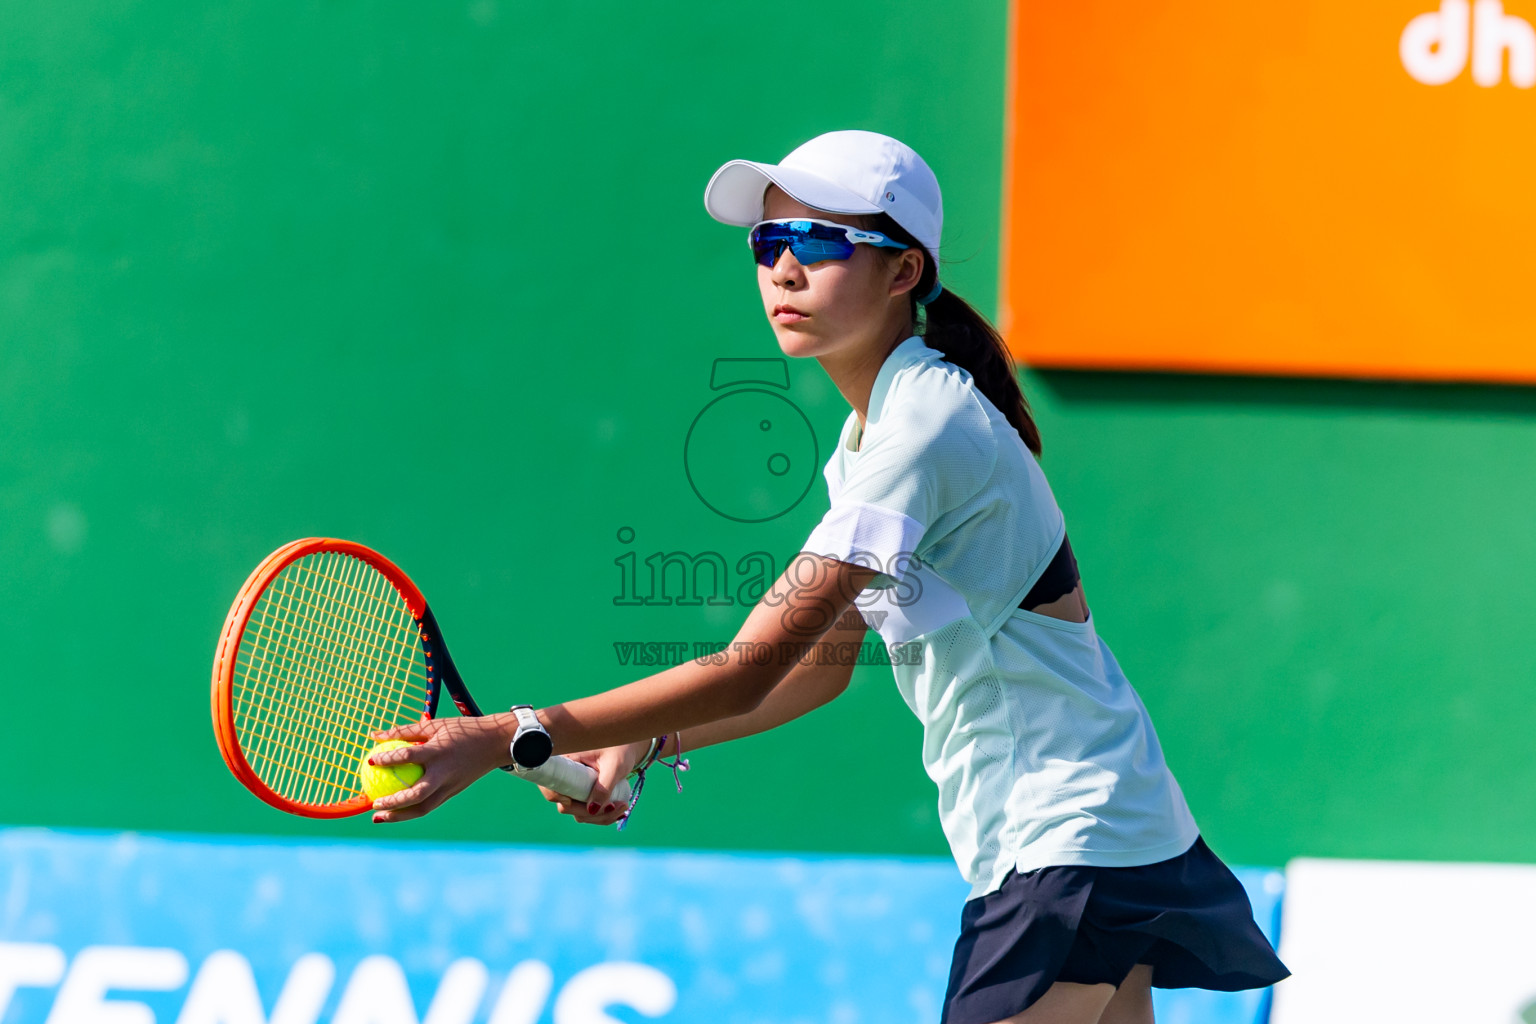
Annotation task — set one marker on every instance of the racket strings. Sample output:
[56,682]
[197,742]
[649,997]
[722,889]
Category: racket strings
[350,655]
[341,659]
[313,732]
[331,652]
[278,629]
[279,735]
[382,633]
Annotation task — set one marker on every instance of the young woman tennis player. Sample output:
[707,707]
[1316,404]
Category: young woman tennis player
[1090,882]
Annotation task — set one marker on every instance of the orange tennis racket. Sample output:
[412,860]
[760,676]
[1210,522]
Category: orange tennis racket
[328,642]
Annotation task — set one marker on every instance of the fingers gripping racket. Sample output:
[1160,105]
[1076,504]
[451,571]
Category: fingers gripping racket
[327,642]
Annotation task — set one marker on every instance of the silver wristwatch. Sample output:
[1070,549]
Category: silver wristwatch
[531,745]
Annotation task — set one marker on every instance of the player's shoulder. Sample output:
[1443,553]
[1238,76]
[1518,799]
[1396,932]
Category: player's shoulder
[937,399]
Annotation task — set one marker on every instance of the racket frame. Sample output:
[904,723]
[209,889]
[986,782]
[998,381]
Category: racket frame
[234,631]
[558,773]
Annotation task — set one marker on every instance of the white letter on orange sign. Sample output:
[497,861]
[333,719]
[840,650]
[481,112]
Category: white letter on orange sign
[1493,32]
[1433,47]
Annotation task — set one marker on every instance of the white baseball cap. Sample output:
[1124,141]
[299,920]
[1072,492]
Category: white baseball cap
[841,172]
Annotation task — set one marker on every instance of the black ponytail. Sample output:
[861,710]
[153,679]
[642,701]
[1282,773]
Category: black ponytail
[954,327]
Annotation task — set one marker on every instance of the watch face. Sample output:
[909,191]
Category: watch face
[531,749]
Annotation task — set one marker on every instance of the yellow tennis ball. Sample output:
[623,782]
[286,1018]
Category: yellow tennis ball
[383,779]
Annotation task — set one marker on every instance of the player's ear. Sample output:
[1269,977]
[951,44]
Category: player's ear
[908,270]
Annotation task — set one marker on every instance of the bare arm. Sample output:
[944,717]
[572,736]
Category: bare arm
[802,607]
[807,687]
[798,610]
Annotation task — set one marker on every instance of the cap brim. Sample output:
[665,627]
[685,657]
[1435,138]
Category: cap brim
[734,194]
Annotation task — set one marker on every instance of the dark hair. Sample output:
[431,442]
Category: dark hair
[967,339]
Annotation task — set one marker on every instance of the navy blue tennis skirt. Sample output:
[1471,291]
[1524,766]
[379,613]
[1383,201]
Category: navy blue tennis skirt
[1187,916]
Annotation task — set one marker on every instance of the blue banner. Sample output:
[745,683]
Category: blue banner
[135,929]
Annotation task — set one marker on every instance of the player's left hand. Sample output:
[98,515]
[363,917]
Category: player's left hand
[611,765]
[453,752]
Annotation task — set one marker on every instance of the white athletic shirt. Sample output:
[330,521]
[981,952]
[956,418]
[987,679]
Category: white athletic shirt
[1042,752]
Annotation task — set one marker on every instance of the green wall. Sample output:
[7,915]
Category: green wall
[438,278]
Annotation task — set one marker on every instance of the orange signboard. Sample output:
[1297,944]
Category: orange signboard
[1316,188]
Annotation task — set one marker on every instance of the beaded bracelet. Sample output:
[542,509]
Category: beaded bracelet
[653,755]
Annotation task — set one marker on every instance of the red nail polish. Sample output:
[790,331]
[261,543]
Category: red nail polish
[608,809]
[591,808]
[370,760]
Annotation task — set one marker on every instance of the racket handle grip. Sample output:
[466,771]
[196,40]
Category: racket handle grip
[570,778]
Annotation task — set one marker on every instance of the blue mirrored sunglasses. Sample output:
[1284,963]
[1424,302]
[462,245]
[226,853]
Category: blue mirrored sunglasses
[810,240]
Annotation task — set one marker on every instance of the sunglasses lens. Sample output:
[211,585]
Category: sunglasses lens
[767,243]
[767,252]
[810,242]
[814,250]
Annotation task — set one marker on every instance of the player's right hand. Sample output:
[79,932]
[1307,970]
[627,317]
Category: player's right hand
[611,765]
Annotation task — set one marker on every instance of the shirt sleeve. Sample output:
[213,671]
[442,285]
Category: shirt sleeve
[914,466]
